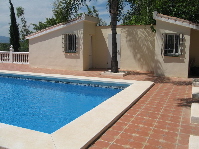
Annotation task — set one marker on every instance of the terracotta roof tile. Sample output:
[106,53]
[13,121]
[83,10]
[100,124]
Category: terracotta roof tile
[179,21]
[56,26]
[174,18]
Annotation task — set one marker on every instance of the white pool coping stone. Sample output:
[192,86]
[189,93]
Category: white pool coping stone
[195,113]
[83,130]
[193,142]
[118,74]
[195,92]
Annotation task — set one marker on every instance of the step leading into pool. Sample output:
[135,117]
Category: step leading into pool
[193,142]
[195,113]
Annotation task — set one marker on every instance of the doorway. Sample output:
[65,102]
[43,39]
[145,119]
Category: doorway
[90,52]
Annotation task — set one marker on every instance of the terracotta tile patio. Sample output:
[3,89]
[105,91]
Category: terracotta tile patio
[160,119]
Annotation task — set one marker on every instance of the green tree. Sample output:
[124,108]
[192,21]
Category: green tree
[4,46]
[115,10]
[24,30]
[94,12]
[66,10]
[14,30]
[141,10]
[63,11]
[187,10]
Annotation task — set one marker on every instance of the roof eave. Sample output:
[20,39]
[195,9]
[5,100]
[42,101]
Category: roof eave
[61,25]
[176,21]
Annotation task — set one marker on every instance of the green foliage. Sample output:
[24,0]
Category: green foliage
[187,10]
[4,46]
[118,9]
[42,25]
[24,46]
[14,30]
[63,11]
[141,10]
[24,28]
[66,10]
[94,12]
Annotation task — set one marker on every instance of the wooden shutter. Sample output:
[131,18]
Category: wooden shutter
[181,41]
[163,44]
[64,42]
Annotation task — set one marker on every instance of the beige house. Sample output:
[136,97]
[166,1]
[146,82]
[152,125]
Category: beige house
[81,45]
[176,46]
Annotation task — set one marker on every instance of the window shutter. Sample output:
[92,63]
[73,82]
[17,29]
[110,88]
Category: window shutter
[163,44]
[64,42]
[181,40]
[76,46]
[74,43]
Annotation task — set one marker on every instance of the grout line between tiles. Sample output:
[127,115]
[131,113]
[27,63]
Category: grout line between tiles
[130,121]
[159,114]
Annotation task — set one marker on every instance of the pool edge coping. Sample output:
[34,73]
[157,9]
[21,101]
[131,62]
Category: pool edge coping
[65,137]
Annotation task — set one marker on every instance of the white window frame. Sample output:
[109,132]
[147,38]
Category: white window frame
[69,43]
[176,50]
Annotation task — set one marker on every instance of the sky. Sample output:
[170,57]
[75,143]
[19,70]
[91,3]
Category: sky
[39,10]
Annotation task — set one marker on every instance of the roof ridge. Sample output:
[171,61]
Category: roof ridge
[60,24]
[174,18]
[179,21]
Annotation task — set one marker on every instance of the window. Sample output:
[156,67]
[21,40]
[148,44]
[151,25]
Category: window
[172,44]
[69,43]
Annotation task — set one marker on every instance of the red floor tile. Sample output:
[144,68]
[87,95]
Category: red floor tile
[136,145]
[121,141]
[116,146]
[182,146]
[101,144]
[108,138]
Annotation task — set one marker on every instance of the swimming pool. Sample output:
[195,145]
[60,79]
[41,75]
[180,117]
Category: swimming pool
[46,105]
[83,130]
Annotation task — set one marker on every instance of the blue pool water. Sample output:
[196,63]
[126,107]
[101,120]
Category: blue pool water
[46,106]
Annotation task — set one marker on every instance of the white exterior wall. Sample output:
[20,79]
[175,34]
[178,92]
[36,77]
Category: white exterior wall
[167,65]
[100,51]
[88,45]
[137,47]
[46,50]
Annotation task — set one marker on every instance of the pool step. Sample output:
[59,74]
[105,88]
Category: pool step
[195,82]
[195,113]
[118,74]
[195,92]
[195,106]
[193,142]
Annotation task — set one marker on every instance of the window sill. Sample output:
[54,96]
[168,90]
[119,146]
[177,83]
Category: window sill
[70,52]
[172,56]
